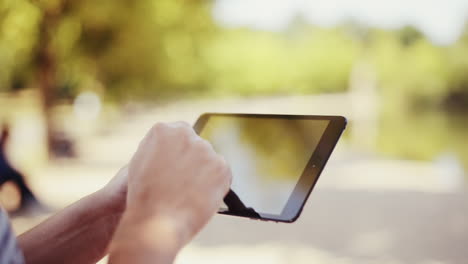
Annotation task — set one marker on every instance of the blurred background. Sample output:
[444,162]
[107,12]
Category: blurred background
[81,81]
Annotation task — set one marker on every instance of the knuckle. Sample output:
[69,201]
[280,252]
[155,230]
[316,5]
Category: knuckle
[222,163]
[183,124]
[183,129]
[226,182]
[158,127]
[180,125]
[223,168]
[228,179]
[202,144]
[229,174]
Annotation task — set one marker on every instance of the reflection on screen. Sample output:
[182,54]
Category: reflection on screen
[267,155]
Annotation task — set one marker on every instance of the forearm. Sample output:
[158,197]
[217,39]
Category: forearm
[78,234]
[145,240]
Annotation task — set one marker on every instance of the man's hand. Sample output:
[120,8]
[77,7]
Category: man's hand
[176,184]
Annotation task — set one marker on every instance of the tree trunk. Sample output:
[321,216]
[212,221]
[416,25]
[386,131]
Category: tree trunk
[46,64]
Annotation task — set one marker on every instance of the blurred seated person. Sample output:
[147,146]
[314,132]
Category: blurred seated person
[172,186]
[28,201]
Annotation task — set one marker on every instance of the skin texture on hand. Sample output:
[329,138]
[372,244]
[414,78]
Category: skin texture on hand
[176,183]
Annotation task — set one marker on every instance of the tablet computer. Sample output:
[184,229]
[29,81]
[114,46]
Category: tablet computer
[275,159]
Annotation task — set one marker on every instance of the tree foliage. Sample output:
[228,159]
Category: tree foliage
[155,49]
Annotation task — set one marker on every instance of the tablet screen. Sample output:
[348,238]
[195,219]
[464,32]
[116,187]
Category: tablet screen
[267,155]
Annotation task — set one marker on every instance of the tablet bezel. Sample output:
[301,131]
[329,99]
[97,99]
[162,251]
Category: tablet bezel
[312,171]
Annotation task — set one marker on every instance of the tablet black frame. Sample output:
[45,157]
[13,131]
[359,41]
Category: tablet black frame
[312,171]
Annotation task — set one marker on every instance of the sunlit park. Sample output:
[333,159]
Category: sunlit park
[81,82]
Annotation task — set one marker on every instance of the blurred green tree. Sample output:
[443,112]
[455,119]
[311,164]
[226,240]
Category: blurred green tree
[143,49]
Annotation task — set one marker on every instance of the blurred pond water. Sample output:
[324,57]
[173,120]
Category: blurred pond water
[436,136]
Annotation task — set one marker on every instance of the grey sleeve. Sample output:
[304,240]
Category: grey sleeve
[9,250]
